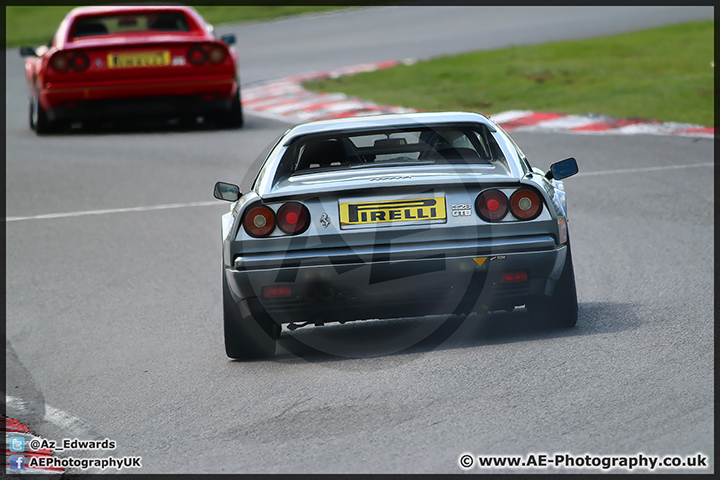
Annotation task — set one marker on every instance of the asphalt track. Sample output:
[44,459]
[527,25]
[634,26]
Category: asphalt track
[114,308]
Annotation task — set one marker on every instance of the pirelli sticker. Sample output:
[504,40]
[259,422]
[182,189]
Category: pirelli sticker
[139,59]
[378,212]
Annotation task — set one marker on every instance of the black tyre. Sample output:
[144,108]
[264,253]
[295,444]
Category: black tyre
[38,117]
[31,113]
[247,337]
[560,310]
[233,117]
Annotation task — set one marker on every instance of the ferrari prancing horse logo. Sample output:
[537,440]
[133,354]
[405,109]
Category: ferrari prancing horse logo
[325,220]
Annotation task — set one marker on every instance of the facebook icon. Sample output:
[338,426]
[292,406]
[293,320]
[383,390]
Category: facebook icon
[17,462]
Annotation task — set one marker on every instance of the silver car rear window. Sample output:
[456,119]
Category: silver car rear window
[423,145]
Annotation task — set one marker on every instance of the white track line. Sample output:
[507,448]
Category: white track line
[66,421]
[641,170]
[207,204]
[114,210]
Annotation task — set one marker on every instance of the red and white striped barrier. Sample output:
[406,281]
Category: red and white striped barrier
[287,100]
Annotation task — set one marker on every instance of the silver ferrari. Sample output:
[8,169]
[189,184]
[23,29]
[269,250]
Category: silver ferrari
[393,216]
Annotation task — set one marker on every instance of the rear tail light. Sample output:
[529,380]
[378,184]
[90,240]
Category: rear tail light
[491,205]
[197,55]
[216,54]
[79,61]
[259,221]
[293,218]
[200,54]
[525,204]
[60,62]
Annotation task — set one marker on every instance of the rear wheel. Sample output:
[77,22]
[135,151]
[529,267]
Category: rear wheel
[31,113]
[560,310]
[248,337]
[38,117]
[233,117]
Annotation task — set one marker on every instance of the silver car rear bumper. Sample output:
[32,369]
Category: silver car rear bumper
[323,285]
[368,254]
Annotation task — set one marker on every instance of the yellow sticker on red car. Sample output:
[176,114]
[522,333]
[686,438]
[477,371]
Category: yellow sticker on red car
[415,209]
[139,59]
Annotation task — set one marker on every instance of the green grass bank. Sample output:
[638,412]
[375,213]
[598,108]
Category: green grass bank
[662,74]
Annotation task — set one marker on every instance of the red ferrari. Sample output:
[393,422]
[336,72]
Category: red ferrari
[132,61]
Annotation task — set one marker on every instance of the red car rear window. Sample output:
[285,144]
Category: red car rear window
[130,23]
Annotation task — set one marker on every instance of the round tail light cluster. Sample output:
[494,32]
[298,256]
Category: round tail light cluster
[259,221]
[200,54]
[525,204]
[63,61]
[292,218]
[492,205]
[216,54]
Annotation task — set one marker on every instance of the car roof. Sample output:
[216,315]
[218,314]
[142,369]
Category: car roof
[92,10]
[392,120]
[265,182]
[63,30]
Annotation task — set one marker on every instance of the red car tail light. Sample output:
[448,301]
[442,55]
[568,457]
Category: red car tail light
[293,218]
[259,221]
[60,62]
[197,55]
[216,54]
[79,61]
[491,205]
[525,204]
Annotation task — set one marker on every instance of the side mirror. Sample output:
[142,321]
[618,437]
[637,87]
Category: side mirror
[228,39]
[27,52]
[227,192]
[562,169]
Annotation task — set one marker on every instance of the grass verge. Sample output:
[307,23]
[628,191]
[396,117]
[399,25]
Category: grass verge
[662,74]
